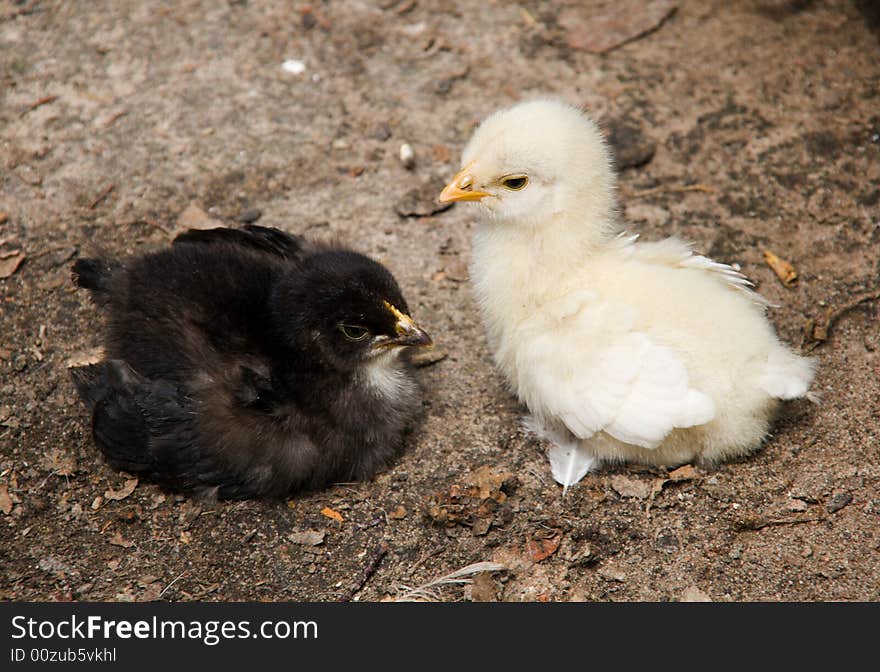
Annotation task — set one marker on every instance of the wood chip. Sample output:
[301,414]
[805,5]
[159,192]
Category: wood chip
[330,513]
[117,540]
[685,473]
[308,537]
[5,499]
[784,271]
[10,264]
[123,492]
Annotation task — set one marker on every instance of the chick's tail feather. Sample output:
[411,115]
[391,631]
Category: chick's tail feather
[139,425]
[788,376]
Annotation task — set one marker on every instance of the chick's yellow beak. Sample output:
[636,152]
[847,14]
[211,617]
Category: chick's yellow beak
[408,332]
[461,188]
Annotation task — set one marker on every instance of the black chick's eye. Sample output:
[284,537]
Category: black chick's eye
[515,182]
[354,332]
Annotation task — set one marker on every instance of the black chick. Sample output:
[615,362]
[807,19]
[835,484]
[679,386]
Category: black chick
[249,363]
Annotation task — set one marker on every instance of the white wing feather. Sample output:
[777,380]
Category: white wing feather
[675,252]
[591,379]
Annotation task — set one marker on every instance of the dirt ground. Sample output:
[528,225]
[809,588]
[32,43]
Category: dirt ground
[115,116]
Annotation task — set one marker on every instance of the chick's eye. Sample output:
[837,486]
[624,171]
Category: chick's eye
[515,182]
[354,332]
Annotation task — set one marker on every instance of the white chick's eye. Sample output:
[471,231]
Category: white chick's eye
[514,182]
[353,332]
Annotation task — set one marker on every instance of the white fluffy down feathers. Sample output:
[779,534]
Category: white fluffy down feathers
[621,350]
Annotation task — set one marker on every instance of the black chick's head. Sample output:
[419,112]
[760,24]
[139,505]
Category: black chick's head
[342,309]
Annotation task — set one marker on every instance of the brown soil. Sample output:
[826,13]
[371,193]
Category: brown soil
[115,116]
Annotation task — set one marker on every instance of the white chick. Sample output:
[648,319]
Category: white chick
[621,350]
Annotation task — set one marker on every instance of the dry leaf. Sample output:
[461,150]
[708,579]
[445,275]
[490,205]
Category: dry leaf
[117,540]
[5,499]
[629,487]
[542,548]
[784,271]
[330,513]
[86,357]
[488,482]
[685,473]
[399,513]
[185,537]
[193,217]
[10,264]
[123,492]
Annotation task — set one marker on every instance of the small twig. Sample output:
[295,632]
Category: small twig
[112,120]
[378,553]
[45,100]
[760,523]
[172,583]
[674,188]
[818,331]
[101,196]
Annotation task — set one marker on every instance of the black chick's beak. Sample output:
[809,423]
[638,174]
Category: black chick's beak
[414,336]
[407,331]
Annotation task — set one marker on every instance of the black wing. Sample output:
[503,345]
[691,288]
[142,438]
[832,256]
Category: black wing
[252,236]
[142,426]
[148,428]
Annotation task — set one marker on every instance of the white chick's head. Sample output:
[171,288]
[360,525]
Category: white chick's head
[537,163]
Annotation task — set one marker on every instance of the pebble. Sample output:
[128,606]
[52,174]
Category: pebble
[694,594]
[838,501]
[293,66]
[382,132]
[407,156]
[249,216]
[612,573]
